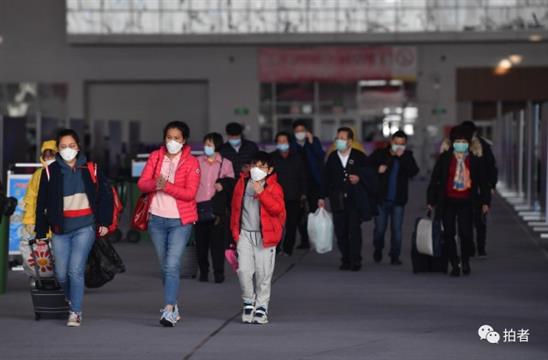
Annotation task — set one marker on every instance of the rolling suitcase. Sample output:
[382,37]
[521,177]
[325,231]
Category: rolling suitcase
[427,253]
[48,299]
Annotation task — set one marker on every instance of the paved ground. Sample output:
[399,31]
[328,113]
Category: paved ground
[317,312]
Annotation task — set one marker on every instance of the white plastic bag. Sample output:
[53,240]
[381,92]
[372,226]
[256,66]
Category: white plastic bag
[320,230]
[424,237]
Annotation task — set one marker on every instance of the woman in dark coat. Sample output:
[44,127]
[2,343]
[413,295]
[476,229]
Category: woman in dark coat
[457,181]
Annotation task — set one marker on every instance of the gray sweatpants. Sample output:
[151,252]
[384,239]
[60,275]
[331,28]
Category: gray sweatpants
[254,259]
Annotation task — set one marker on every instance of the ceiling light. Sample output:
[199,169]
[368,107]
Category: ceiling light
[505,64]
[535,37]
[503,67]
[372,83]
[515,59]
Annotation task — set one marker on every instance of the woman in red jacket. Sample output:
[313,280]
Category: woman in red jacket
[171,178]
[257,221]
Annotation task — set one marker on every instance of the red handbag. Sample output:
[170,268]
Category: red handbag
[139,219]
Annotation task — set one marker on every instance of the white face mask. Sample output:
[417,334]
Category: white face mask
[50,161]
[301,135]
[173,147]
[68,154]
[257,174]
[396,147]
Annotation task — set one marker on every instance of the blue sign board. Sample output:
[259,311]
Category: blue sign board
[17,187]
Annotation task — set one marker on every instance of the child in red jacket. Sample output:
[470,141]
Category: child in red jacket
[257,221]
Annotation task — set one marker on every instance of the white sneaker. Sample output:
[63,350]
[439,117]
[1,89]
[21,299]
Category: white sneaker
[74,319]
[261,316]
[247,313]
[169,317]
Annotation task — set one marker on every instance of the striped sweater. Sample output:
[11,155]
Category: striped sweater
[77,212]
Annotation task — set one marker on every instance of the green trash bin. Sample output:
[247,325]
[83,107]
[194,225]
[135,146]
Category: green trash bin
[4,250]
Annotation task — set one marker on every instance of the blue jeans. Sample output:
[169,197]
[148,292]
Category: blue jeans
[170,238]
[71,252]
[395,212]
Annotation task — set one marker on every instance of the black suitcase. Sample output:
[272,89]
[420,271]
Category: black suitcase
[48,299]
[426,263]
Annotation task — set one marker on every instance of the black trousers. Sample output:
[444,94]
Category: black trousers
[480,225]
[211,237]
[312,196]
[294,213]
[458,213]
[349,234]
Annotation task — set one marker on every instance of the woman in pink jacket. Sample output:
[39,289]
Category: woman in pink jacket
[171,178]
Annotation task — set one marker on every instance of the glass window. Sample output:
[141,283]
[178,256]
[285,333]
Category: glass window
[306,16]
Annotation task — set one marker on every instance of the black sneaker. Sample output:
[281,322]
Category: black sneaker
[219,278]
[260,317]
[377,256]
[466,268]
[356,267]
[395,261]
[455,271]
[482,254]
[204,277]
[303,246]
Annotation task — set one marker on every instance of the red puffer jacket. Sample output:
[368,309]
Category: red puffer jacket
[272,209]
[187,180]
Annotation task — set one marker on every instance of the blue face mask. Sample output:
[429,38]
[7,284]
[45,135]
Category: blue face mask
[209,150]
[460,147]
[282,147]
[341,144]
[235,142]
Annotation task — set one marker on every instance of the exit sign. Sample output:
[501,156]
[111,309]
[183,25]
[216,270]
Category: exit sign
[241,111]
[438,111]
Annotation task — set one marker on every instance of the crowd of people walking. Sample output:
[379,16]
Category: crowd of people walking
[236,196]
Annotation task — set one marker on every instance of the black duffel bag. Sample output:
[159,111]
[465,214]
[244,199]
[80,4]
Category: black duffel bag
[103,264]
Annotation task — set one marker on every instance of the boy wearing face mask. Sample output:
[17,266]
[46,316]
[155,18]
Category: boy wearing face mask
[257,221]
[289,168]
[49,150]
[458,181]
[395,166]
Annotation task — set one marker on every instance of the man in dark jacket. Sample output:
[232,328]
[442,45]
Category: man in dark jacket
[237,149]
[491,171]
[310,148]
[339,183]
[289,167]
[395,166]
